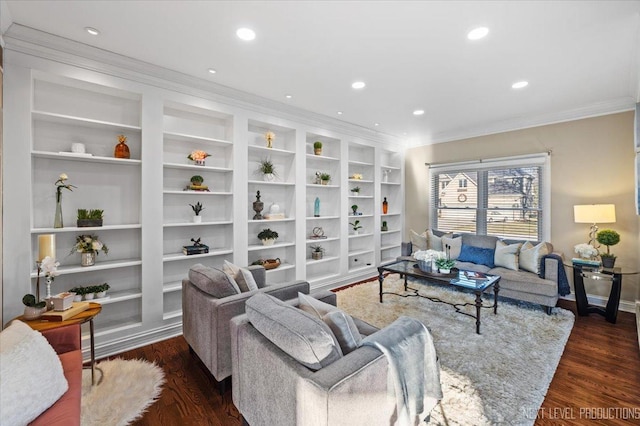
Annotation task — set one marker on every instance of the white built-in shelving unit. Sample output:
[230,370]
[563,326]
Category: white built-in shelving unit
[391,178]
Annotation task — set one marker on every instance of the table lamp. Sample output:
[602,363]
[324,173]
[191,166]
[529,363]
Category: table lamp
[593,214]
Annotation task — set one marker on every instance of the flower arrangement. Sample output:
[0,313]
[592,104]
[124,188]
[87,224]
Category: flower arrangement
[89,244]
[61,184]
[445,264]
[198,155]
[269,137]
[50,267]
[586,251]
[197,208]
[356,176]
[429,255]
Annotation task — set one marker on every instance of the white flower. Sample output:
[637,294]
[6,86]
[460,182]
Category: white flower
[50,267]
[429,255]
[63,176]
[586,251]
[96,246]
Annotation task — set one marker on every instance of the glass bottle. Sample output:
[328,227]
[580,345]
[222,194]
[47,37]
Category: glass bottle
[316,207]
[122,150]
[57,221]
[385,206]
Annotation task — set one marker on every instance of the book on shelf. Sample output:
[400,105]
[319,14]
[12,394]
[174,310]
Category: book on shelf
[189,250]
[587,262]
[478,276]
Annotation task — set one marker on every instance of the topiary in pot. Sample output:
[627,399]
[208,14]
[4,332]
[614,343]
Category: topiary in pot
[268,237]
[608,237]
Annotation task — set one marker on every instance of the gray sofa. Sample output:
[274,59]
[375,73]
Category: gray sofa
[205,319]
[520,285]
[271,387]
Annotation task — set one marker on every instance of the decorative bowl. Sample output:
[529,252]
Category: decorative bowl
[271,263]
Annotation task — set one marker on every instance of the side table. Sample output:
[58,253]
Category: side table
[81,318]
[613,275]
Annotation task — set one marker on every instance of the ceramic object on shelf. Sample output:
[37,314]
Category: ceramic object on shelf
[385,206]
[32,313]
[257,207]
[269,177]
[268,242]
[122,150]
[87,259]
[197,219]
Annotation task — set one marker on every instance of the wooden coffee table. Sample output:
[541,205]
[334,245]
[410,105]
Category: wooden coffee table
[81,318]
[457,279]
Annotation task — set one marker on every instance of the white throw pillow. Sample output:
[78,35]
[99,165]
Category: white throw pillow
[32,375]
[242,276]
[418,241]
[434,242]
[530,256]
[455,245]
[507,255]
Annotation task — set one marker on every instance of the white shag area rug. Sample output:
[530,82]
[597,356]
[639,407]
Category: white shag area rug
[127,388]
[499,377]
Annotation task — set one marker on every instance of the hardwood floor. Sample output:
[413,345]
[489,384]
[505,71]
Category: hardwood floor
[597,381]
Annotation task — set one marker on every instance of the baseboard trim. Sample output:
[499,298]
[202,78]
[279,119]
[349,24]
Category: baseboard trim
[625,305]
[117,346]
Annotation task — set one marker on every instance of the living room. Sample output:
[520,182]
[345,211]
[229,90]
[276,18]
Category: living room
[64,86]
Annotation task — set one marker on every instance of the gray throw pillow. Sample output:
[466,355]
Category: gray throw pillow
[313,306]
[212,281]
[297,333]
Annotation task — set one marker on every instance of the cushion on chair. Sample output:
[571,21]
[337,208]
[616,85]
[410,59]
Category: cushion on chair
[507,255]
[455,245]
[242,276]
[531,255]
[32,374]
[213,281]
[341,324]
[297,333]
[477,255]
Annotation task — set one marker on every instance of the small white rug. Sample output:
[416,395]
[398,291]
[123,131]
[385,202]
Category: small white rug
[499,377]
[127,389]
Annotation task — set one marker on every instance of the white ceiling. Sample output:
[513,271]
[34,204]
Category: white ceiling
[581,58]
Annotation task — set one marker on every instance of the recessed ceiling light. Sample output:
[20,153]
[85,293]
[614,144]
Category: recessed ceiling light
[339,112]
[212,71]
[418,112]
[520,84]
[358,85]
[404,133]
[288,96]
[376,124]
[478,33]
[246,34]
[92,31]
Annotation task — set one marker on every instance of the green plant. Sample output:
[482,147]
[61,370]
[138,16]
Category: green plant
[317,145]
[317,248]
[355,225]
[196,179]
[356,189]
[325,176]
[445,263]
[197,208]
[79,291]
[103,287]
[267,167]
[267,234]
[30,300]
[608,237]
[84,214]
[354,208]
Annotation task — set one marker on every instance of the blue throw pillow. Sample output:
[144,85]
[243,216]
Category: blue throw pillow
[477,255]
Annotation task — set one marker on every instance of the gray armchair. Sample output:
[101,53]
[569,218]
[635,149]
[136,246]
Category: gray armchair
[205,319]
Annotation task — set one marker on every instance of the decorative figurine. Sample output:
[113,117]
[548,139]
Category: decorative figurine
[257,207]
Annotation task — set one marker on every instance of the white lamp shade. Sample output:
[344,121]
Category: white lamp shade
[594,213]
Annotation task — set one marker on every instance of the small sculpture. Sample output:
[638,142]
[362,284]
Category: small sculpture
[257,207]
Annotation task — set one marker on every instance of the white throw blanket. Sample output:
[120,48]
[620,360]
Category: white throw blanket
[413,367]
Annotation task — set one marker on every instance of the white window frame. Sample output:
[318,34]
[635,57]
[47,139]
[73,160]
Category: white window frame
[543,160]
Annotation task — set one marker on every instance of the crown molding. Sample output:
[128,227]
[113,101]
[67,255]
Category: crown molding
[612,106]
[44,45]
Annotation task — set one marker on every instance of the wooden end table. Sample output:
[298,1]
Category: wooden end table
[83,317]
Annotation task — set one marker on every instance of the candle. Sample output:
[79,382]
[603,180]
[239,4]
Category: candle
[47,246]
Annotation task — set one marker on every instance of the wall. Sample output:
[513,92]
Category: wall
[592,162]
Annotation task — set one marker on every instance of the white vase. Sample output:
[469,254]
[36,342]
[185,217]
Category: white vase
[445,271]
[32,313]
[356,231]
[197,219]
[268,242]
[269,177]
[77,298]
[101,294]
[275,209]
[89,296]
[88,259]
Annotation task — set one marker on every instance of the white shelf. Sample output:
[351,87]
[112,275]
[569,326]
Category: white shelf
[275,151]
[322,217]
[262,182]
[360,216]
[282,267]
[390,167]
[181,256]
[389,214]
[387,260]
[176,192]
[195,167]
[323,240]
[390,231]
[359,252]
[181,224]
[360,181]
[359,163]
[389,247]
[315,185]
[171,287]
[81,121]
[99,266]
[85,158]
[172,314]
[369,234]
[118,296]
[390,183]
[323,260]
[286,219]
[321,158]
[193,138]
[256,247]
[360,268]
[361,196]
[88,228]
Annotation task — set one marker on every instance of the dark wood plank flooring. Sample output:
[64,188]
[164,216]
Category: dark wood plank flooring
[597,381]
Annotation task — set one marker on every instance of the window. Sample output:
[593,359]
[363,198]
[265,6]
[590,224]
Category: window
[507,198]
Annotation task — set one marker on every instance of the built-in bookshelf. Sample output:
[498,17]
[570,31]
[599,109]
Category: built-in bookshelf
[391,179]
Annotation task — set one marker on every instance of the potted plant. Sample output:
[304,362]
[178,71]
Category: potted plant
[356,190]
[88,246]
[355,209]
[384,226]
[79,292]
[90,292]
[268,170]
[101,290]
[325,178]
[608,237]
[33,309]
[268,237]
[445,265]
[197,209]
[356,227]
[317,148]
[87,218]
[317,251]
[196,180]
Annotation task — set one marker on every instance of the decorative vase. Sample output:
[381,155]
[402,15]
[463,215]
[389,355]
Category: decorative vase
[385,175]
[89,296]
[101,294]
[356,232]
[32,313]
[88,223]
[199,162]
[77,298]
[608,262]
[317,151]
[316,255]
[122,150]
[268,242]
[316,207]
[324,182]
[57,221]
[385,206]
[257,207]
[197,219]
[269,177]
[424,265]
[445,271]
[88,259]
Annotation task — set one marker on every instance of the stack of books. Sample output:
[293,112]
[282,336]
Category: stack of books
[586,262]
[200,249]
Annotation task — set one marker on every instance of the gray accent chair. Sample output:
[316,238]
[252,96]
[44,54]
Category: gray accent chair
[271,388]
[205,319]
